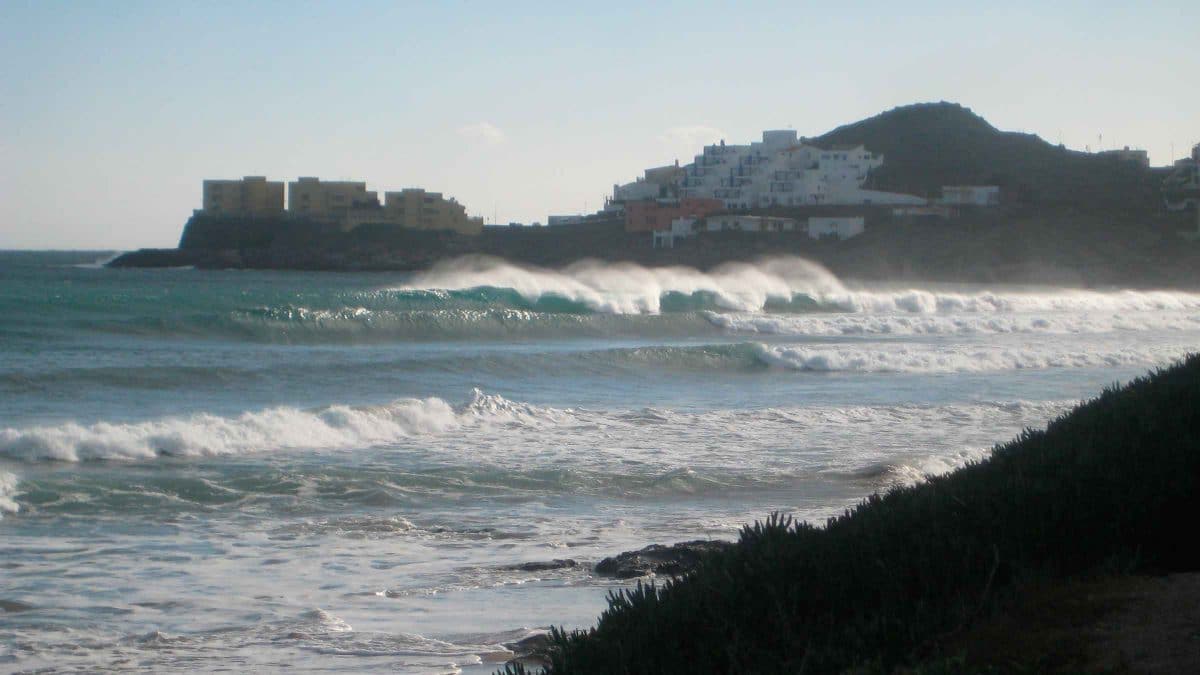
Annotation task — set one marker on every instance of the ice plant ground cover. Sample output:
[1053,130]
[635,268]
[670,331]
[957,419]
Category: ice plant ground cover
[1113,485]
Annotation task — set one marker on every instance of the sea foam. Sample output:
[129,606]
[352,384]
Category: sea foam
[627,288]
[8,493]
[508,435]
[850,325]
[916,358]
[336,427]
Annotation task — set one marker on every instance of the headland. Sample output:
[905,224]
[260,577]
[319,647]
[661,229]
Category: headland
[927,192]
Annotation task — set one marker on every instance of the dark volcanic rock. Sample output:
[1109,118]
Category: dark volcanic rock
[542,565]
[537,643]
[675,560]
[531,652]
[154,257]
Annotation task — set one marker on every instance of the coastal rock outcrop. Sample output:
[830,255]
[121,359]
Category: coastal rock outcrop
[530,652]
[543,565]
[674,560]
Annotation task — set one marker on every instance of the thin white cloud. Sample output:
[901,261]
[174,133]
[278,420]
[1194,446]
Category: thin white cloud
[483,132]
[690,138]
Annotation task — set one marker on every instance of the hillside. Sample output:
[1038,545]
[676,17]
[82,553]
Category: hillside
[894,582]
[928,145]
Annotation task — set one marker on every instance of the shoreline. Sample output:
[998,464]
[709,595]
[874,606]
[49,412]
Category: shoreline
[1053,247]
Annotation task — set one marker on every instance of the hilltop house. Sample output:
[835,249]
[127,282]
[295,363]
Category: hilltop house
[1139,157]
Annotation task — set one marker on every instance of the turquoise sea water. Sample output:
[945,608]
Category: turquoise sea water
[265,470]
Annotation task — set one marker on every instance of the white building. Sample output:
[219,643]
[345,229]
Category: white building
[742,223]
[680,228]
[971,195]
[661,182]
[841,228]
[780,170]
[687,227]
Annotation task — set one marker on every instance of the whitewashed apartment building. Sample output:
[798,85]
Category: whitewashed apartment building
[777,171]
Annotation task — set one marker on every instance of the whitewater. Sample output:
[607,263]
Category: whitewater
[269,471]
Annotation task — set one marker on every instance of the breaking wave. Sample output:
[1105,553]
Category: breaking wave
[489,448]
[917,301]
[485,298]
[337,427]
[780,284]
[850,325]
[917,470]
[8,493]
[882,357]
[487,421]
[627,288]
[915,358]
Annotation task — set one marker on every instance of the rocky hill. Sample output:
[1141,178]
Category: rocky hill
[928,145]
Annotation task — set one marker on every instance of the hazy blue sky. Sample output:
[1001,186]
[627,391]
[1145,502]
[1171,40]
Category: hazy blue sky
[112,112]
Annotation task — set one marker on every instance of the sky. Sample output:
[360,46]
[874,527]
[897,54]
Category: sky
[112,113]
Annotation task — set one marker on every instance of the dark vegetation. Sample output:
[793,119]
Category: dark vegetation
[1111,487]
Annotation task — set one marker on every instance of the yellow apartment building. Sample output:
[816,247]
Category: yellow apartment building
[329,201]
[347,204]
[421,210]
[251,196]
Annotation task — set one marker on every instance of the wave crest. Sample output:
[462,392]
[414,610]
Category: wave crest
[8,493]
[779,284]
[851,325]
[336,427]
[627,288]
[954,359]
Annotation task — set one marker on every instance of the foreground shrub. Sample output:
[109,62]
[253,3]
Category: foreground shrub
[1115,482]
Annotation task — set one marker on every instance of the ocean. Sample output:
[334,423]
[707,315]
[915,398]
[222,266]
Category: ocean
[251,470]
